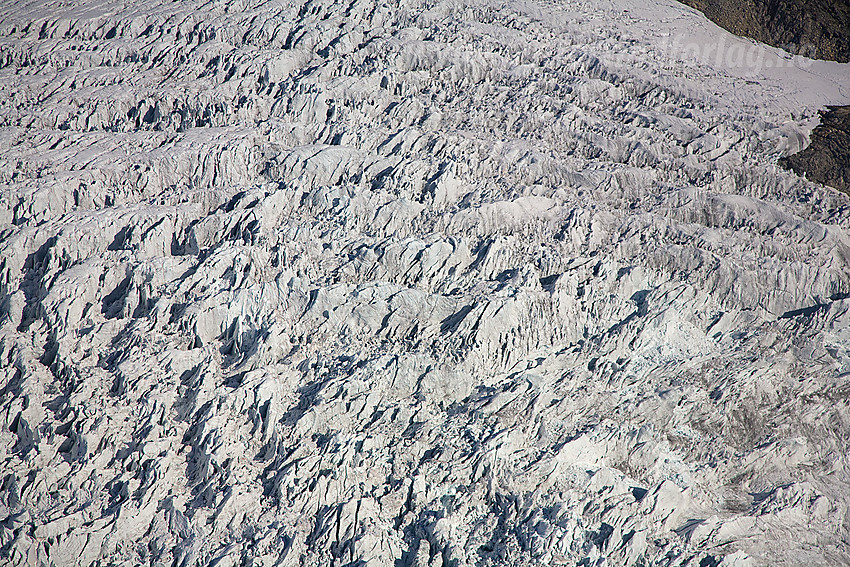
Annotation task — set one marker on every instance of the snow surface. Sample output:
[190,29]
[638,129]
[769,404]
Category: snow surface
[420,283]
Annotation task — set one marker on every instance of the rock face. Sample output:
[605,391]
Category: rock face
[827,159]
[814,28]
[415,284]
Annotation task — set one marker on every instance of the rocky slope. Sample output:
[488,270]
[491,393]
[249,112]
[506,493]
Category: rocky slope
[827,158]
[814,28]
[427,283]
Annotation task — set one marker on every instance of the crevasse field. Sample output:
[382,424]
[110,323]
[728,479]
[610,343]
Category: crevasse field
[416,283]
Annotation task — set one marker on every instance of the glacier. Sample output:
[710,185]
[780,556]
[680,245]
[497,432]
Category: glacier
[422,283]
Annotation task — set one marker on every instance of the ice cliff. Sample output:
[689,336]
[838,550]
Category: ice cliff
[418,283]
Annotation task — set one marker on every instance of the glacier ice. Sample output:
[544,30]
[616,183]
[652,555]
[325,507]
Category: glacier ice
[421,283]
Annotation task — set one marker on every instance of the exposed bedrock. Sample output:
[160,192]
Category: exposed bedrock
[814,28]
[827,158]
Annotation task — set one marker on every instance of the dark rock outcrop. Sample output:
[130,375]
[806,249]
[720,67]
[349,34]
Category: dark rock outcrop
[815,28]
[827,159]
